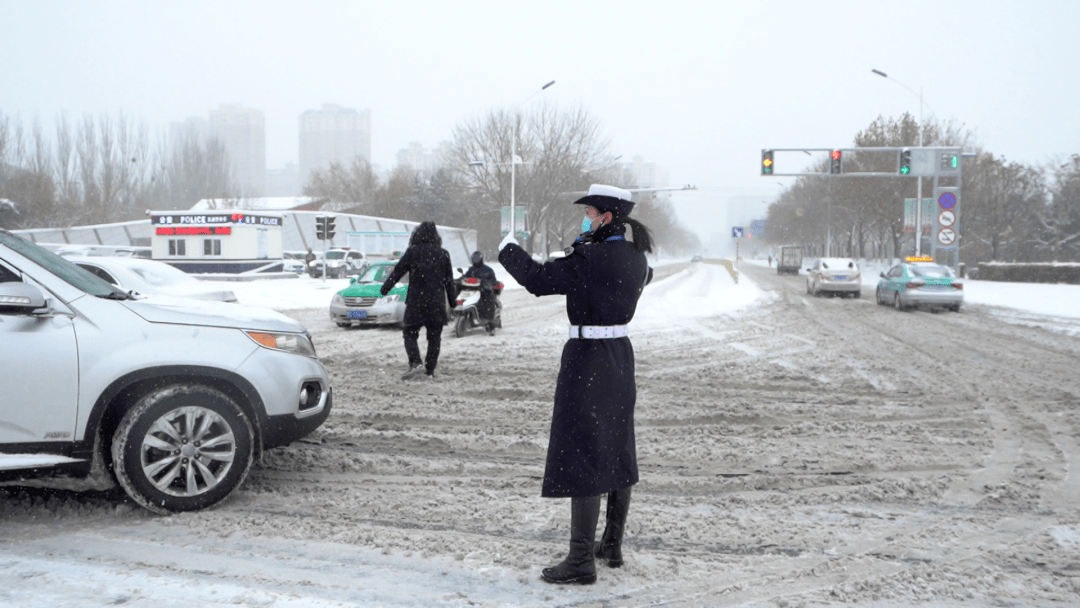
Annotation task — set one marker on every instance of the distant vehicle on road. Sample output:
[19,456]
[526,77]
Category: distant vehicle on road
[920,282]
[789,261]
[339,263]
[293,261]
[834,276]
[696,258]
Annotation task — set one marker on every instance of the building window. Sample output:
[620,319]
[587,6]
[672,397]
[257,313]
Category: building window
[177,247]
[211,246]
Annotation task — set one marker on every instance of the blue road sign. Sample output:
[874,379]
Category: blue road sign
[736,232]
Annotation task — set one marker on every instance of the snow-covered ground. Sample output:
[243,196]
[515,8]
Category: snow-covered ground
[1035,298]
[795,451]
[695,300]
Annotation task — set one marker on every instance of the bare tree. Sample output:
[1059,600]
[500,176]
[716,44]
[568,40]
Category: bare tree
[190,169]
[354,188]
[555,149]
[1057,232]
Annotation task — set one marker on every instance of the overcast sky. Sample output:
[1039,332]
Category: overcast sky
[697,87]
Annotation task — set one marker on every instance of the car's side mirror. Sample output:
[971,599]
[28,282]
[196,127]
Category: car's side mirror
[881,274]
[18,297]
[352,281]
[460,270]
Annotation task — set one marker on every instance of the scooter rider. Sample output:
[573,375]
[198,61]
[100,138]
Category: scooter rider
[486,307]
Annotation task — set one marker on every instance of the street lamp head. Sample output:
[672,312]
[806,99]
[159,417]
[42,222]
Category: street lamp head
[547,85]
[476,163]
[880,73]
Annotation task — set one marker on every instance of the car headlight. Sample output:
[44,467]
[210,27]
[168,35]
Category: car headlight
[390,299]
[337,299]
[290,343]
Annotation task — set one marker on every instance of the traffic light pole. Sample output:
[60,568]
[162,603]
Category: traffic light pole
[918,162]
[918,189]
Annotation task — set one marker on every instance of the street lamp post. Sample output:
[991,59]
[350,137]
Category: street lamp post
[513,156]
[918,188]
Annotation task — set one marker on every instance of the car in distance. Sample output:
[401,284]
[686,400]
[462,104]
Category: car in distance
[361,304]
[149,277]
[834,276]
[789,261]
[293,261]
[339,263]
[920,282]
[696,258]
[171,398]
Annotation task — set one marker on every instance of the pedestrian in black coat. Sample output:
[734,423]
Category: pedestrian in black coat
[431,289]
[591,448]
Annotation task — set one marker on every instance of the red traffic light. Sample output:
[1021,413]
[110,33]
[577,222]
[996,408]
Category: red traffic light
[835,155]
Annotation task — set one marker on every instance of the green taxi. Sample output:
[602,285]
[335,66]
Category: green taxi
[920,282]
[361,304]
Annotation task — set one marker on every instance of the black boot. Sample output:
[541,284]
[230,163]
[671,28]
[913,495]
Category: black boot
[578,567]
[610,545]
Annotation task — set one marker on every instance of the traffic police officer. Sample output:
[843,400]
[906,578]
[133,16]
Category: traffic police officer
[591,449]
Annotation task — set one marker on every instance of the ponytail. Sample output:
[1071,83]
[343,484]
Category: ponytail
[643,240]
[642,236]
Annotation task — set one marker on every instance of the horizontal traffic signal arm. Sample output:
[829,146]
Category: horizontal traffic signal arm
[850,160]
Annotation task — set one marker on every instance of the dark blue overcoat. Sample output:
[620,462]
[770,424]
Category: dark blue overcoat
[591,448]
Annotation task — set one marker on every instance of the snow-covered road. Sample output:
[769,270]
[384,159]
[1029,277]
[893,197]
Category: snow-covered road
[794,451]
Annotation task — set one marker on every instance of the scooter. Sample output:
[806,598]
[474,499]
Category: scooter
[466,312]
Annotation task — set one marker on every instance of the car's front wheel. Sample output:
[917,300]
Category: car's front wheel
[182,448]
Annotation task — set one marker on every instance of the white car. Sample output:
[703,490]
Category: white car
[293,261]
[172,398]
[834,276]
[340,263]
[150,277]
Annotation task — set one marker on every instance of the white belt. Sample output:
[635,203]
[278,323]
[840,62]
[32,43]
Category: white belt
[598,332]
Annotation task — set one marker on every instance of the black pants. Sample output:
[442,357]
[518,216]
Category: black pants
[434,341]
[485,308]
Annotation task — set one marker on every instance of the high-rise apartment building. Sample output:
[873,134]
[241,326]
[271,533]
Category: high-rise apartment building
[648,175]
[243,132]
[192,126]
[425,161]
[333,134]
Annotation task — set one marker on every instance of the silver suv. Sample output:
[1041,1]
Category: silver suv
[340,263]
[173,398]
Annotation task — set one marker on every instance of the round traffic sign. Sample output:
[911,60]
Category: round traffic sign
[947,236]
[946,218]
[947,200]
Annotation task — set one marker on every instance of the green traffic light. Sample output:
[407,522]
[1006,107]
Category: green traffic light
[954,161]
[905,170]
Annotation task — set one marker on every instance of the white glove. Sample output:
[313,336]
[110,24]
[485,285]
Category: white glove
[509,238]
